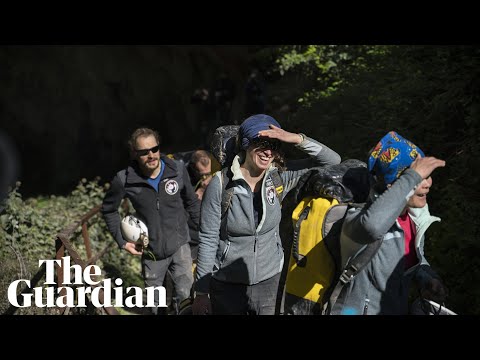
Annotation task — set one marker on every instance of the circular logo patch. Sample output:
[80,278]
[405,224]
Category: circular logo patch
[271,195]
[171,187]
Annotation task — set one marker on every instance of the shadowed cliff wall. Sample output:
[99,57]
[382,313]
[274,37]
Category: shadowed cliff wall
[70,109]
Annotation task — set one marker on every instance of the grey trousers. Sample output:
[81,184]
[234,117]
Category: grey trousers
[239,299]
[179,266]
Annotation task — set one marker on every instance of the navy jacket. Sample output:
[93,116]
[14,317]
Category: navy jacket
[163,212]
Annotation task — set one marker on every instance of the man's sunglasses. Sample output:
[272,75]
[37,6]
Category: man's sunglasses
[143,152]
[273,145]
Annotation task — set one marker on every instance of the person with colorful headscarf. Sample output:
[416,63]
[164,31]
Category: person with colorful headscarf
[247,257]
[397,215]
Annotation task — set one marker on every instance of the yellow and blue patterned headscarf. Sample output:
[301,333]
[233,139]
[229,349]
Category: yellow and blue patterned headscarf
[391,156]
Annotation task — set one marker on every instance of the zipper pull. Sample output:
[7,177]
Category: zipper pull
[365,308]
[158,204]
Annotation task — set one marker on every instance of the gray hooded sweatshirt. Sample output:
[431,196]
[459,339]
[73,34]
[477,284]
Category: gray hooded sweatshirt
[248,254]
[382,287]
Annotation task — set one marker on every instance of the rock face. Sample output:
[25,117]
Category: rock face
[70,109]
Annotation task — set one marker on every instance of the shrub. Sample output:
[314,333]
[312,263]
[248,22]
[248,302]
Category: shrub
[29,228]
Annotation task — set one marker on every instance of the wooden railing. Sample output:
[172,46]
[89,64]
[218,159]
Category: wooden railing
[62,243]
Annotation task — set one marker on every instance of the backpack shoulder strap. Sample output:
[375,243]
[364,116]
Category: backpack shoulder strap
[353,268]
[227,191]
[227,195]
[277,183]
[180,165]
[300,259]
[122,175]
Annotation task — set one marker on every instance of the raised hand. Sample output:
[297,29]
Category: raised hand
[282,135]
[425,166]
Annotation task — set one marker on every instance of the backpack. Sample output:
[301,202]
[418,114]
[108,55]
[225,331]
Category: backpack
[224,148]
[324,195]
[223,145]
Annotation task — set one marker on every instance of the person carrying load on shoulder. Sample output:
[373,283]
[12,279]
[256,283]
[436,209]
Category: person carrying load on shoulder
[240,254]
[323,195]
[390,229]
[200,168]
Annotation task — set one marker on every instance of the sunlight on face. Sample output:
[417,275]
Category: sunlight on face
[261,158]
[419,198]
[151,161]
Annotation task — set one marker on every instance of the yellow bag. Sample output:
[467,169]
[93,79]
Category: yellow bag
[312,264]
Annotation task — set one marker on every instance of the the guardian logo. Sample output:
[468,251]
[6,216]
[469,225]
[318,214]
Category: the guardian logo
[79,293]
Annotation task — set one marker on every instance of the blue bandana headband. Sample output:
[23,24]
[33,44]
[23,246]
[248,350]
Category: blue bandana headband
[249,129]
[391,156]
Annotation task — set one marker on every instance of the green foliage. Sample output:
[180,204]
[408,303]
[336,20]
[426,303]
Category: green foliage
[430,95]
[325,68]
[10,271]
[29,228]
